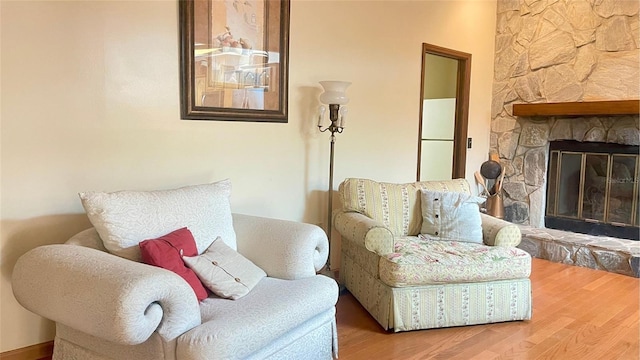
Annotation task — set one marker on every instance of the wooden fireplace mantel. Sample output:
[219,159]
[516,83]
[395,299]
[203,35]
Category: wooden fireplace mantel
[584,108]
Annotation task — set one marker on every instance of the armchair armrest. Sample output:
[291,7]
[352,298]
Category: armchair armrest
[365,231]
[497,232]
[283,249]
[103,295]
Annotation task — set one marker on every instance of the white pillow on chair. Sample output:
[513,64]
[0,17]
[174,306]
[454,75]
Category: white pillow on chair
[125,218]
[451,216]
[224,271]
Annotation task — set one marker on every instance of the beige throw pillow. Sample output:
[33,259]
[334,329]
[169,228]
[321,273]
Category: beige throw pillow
[451,216]
[224,271]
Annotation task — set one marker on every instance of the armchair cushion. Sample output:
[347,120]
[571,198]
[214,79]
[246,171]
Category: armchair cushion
[224,271]
[451,216]
[242,329]
[167,251]
[419,261]
[125,218]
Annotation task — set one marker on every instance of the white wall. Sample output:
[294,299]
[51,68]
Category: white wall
[90,101]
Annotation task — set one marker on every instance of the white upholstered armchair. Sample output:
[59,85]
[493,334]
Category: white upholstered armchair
[110,307]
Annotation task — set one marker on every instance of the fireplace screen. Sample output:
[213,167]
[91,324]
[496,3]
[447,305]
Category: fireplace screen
[593,189]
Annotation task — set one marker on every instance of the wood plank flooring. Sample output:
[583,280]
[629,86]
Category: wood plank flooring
[578,313]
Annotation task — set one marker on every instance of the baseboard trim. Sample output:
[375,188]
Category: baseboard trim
[33,352]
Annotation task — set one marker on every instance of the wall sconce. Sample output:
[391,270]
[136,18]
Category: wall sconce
[334,95]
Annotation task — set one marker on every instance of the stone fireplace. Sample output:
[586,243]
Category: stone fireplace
[526,172]
[569,52]
[551,51]
[526,195]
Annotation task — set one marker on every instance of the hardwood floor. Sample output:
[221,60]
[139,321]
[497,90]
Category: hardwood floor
[578,313]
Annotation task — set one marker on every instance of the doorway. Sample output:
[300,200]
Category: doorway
[444,113]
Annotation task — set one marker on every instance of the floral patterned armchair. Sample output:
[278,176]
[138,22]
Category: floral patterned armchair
[421,255]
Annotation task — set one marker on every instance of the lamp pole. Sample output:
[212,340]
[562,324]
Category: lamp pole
[334,96]
[333,128]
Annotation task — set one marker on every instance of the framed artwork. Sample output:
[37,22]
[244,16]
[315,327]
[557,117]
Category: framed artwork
[234,60]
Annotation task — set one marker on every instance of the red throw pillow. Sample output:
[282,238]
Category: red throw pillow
[167,251]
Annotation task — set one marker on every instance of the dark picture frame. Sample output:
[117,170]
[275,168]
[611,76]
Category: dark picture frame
[234,60]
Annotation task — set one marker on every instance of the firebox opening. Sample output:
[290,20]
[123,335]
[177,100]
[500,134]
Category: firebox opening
[592,188]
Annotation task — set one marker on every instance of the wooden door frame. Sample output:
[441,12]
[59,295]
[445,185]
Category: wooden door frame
[463,88]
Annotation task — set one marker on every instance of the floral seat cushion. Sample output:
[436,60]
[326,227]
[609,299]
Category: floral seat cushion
[419,260]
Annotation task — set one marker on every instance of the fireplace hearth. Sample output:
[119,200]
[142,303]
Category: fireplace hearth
[592,188]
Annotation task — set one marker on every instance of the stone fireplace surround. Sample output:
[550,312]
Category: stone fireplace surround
[595,252]
[525,191]
[558,51]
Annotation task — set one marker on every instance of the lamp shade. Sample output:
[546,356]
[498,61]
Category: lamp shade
[334,92]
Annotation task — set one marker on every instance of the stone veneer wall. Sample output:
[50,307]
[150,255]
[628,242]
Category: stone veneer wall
[559,51]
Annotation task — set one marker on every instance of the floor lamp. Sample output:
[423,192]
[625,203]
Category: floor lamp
[334,96]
